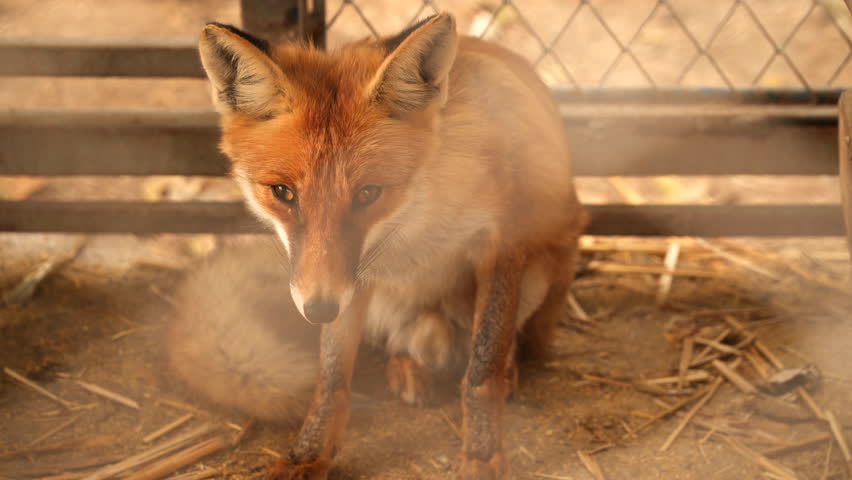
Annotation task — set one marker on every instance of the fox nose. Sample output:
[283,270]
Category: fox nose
[321,310]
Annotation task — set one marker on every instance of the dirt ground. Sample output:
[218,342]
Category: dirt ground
[100,317]
[97,326]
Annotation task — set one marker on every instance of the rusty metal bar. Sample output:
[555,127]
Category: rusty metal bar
[283,20]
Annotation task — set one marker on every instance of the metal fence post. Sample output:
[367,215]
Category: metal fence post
[285,20]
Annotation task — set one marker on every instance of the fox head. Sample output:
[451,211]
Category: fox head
[325,145]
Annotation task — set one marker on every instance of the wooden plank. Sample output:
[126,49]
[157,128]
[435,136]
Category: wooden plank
[126,217]
[100,57]
[605,140]
[717,220]
[134,142]
[708,95]
[844,157]
[644,220]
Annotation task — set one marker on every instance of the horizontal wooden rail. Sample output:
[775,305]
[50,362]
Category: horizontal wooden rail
[606,139]
[99,57]
[227,217]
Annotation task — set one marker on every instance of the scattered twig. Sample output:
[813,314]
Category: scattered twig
[802,444]
[183,406]
[827,463]
[607,245]
[776,362]
[151,454]
[205,472]
[75,444]
[526,452]
[168,428]
[271,452]
[608,381]
[167,298]
[840,439]
[552,477]
[181,459]
[451,424]
[24,380]
[721,347]
[742,261]
[242,432]
[691,413]
[131,331]
[810,402]
[591,465]
[627,428]
[22,292]
[610,267]
[53,431]
[687,377]
[577,309]
[766,352]
[738,380]
[603,447]
[47,468]
[759,365]
[779,470]
[669,410]
[98,390]
[704,355]
[670,264]
[685,358]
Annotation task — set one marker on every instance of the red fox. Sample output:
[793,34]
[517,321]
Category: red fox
[421,187]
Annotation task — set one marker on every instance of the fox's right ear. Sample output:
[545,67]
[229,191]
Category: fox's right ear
[244,78]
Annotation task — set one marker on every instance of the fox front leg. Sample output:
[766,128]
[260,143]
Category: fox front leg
[322,432]
[485,383]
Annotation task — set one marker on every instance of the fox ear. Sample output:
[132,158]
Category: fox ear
[243,76]
[414,74]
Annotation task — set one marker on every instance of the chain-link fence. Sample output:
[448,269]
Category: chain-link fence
[584,44]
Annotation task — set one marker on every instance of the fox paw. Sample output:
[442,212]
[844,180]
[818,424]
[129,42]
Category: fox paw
[474,469]
[284,470]
[409,380]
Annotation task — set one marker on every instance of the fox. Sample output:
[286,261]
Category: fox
[421,189]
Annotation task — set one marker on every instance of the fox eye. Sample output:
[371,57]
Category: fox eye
[284,194]
[367,195]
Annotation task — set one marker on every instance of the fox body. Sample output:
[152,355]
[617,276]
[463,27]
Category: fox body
[422,189]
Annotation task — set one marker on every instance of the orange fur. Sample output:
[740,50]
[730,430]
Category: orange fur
[468,246]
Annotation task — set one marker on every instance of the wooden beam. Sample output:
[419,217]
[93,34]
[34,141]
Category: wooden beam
[844,138]
[605,140]
[717,220]
[99,57]
[127,142]
[201,217]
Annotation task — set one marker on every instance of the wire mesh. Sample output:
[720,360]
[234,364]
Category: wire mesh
[586,44]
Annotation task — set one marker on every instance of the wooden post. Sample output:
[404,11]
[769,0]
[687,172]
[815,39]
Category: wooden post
[844,136]
[285,20]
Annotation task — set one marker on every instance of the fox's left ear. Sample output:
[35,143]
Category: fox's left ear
[244,78]
[414,74]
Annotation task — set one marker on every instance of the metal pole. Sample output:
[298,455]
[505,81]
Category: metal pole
[285,20]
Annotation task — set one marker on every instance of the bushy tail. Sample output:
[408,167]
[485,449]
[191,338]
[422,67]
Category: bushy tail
[237,339]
